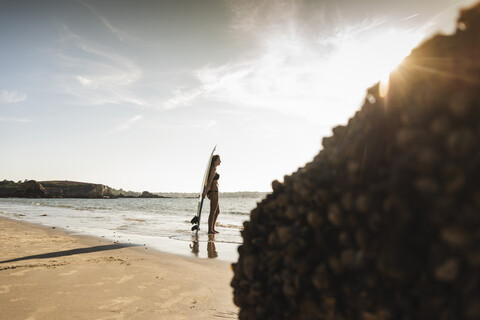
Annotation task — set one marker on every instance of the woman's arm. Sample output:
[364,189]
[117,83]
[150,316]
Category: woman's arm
[211,174]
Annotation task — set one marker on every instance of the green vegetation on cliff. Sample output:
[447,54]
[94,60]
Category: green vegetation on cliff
[7,188]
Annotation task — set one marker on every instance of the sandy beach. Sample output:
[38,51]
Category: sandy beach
[47,274]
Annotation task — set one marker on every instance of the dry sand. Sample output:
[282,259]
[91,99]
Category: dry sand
[47,274]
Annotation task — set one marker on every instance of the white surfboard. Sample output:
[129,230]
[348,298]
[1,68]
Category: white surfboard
[196,219]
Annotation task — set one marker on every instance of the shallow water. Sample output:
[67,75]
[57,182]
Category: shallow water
[162,224]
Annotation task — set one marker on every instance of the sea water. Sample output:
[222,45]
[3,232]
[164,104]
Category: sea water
[158,223]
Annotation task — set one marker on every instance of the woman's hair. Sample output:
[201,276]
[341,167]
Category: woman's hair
[214,158]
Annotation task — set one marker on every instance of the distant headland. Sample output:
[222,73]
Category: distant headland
[66,189]
[86,190]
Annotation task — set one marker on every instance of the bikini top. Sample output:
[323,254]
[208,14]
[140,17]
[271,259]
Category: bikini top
[216,177]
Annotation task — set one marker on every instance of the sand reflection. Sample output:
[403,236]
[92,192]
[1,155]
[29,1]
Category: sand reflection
[211,247]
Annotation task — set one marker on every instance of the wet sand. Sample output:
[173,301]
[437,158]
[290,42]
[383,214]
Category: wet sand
[47,274]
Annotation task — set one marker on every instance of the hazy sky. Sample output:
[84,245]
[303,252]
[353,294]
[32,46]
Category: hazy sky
[135,93]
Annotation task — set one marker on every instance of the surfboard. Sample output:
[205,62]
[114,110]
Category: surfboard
[196,219]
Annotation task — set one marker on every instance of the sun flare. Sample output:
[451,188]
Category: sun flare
[323,79]
[372,59]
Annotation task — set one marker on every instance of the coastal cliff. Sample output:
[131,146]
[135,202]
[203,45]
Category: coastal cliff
[54,189]
[71,189]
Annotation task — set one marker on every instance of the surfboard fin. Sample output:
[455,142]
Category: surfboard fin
[194,220]
[195,227]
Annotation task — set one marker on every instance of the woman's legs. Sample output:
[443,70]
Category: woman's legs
[213,196]
[217,212]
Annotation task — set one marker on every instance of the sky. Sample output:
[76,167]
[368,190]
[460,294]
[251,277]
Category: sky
[135,94]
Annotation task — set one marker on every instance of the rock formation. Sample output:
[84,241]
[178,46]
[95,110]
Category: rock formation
[146,194]
[54,189]
[31,189]
[72,189]
[384,222]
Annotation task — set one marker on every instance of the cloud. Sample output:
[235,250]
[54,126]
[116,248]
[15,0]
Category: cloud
[12,96]
[14,120]
[313,69]
[183,97]
[122,36]
[86,82]
[127,124]
[184,124]
[96,75]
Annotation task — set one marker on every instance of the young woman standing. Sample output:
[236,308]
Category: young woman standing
[212,194]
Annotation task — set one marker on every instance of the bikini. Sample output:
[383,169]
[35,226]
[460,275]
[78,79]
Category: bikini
[216,177]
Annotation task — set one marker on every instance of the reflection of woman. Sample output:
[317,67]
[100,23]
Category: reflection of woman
[194,247]
[212,194]
[211,250]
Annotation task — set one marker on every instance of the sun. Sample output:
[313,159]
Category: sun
[371,59]
[392,47]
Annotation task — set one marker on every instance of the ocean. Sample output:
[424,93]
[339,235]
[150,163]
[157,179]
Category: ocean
[158,223]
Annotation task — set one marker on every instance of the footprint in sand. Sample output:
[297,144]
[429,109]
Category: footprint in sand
[118,303]
[68,273]
[40,312]
[5,289]
[20,273]
[198,296]
[90,284]
[225,315]
[125,279]
[16,299]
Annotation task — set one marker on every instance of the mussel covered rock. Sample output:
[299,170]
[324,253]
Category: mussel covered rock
[384,223]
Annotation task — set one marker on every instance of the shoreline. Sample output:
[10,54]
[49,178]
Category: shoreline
[47,273]
[201,247]
[171,235]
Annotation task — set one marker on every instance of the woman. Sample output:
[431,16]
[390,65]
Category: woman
[212,194]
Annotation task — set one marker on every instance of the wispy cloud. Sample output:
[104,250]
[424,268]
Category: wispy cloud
[12,96]
[183,97]
[14,120]
[95,74]
[319,72]
[127,124]
[188,124]
[122,36]
[409,17]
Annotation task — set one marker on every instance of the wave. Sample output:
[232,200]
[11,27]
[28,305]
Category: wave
[67,206]
[136,220]
[189,239]
[123,227]
[236,213]
[230,226]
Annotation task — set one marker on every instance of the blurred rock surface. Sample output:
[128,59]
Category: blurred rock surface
[384,223]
